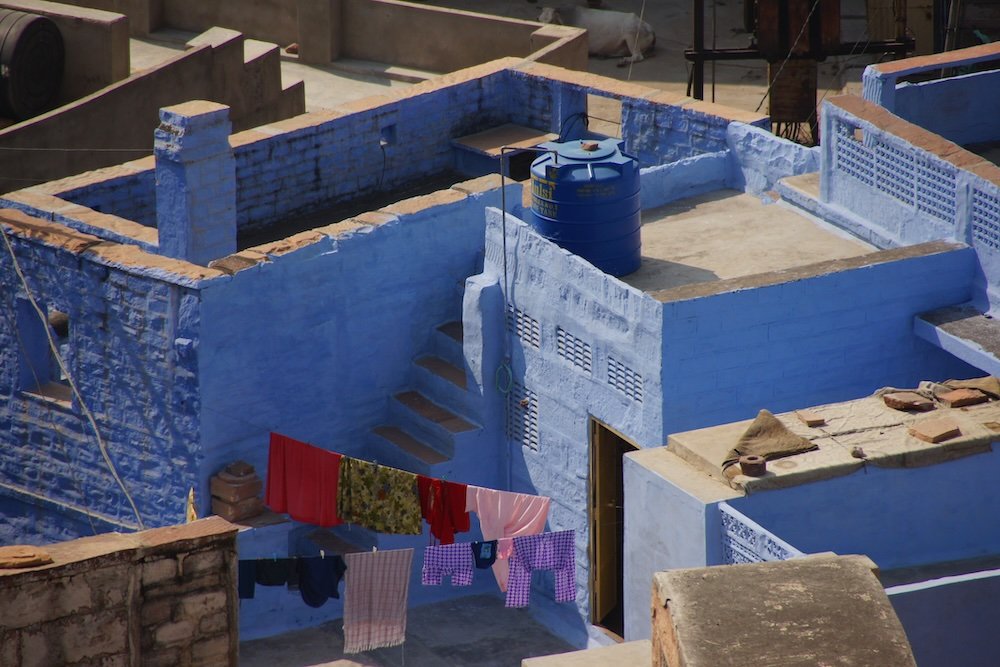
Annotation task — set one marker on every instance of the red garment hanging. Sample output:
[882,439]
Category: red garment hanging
[302,481]
[443,506]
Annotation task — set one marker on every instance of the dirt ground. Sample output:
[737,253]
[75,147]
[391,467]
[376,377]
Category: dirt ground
[740,84]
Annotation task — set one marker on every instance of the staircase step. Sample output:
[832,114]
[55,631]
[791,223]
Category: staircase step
[410,445]
[453,330]
[432,412]
[443,369]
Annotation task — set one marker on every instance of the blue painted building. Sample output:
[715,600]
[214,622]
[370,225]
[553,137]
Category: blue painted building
[234,285]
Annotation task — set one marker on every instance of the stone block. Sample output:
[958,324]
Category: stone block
[196,605]
[239,511]
[174,633]
[157,612]
[201,561]
[163,657]
[907,400]
[958,398]
[93,635]
[935,430]
[233,492]
[810,418]
[157,572]
[214,624]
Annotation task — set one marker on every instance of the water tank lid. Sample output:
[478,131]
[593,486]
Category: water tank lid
[584,150]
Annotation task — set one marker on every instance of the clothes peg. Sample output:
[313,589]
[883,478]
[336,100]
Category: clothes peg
[322,553]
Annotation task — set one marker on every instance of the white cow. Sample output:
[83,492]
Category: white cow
[609,33]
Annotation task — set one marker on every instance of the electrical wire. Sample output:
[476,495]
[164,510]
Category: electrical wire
[69,379]
[77,483]
[791,50]
[638,27]
[77,150]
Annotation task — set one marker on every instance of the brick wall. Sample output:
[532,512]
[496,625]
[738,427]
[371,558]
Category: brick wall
[160,597]
[315,160]
[131,344]
[657,127]
[129,192]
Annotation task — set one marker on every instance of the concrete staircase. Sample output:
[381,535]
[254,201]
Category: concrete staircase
[426,424]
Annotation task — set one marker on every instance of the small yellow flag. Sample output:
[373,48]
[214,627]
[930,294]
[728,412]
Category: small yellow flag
[192,513]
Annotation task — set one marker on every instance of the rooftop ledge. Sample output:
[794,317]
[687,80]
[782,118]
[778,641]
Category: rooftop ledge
[881,432]
[965,332]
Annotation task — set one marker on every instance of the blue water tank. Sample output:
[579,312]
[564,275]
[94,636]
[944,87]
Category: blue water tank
[585,198]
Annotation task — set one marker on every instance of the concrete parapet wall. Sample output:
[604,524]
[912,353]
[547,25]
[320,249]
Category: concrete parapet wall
[879,81]
[909,185]
[758,159]
[436,39]
[657,127]
[727,345]
[96,42]
[161,597]
[212,69]
[961,109]
[398,33]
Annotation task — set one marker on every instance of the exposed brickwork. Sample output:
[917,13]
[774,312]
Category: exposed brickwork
[157,597]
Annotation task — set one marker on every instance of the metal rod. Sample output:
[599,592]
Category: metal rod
[895,46]
[698,80]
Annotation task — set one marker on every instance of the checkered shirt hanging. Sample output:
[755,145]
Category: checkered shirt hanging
[448,559]
[548,551]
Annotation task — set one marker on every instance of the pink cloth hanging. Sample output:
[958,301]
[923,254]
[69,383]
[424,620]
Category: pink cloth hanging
[503,514]
[375,597]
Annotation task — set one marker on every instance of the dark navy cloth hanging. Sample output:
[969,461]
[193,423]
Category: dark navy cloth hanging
[319,579]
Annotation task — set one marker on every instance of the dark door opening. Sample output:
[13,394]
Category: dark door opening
[607,514]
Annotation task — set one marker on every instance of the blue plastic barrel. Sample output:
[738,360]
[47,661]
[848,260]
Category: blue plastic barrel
[585,198]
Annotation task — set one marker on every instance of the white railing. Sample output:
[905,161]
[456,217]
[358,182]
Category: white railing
[746,541]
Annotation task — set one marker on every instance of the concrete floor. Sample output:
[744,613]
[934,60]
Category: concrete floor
[728,234]
[476,630]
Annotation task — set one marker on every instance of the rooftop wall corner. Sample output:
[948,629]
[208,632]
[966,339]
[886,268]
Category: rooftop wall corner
[195,182]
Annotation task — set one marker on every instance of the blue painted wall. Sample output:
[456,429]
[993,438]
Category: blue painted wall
[951,621]
[314,342]
[132,197]
[131,352]
[960,109]
[341,159]
[571,325]
[897,517]
[666,527]
[804,342]
[757,158]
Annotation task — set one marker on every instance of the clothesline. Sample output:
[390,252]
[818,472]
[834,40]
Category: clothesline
[374,463]
[327,488]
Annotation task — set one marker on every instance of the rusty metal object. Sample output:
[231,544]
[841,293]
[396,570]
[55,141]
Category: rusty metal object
[753,465]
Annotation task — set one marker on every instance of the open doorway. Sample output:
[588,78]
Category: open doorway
[607,523]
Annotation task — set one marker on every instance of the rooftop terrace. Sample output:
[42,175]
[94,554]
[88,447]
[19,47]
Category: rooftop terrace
[728,234]
[882,433]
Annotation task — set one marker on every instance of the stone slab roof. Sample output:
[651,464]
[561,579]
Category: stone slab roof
[818,610]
